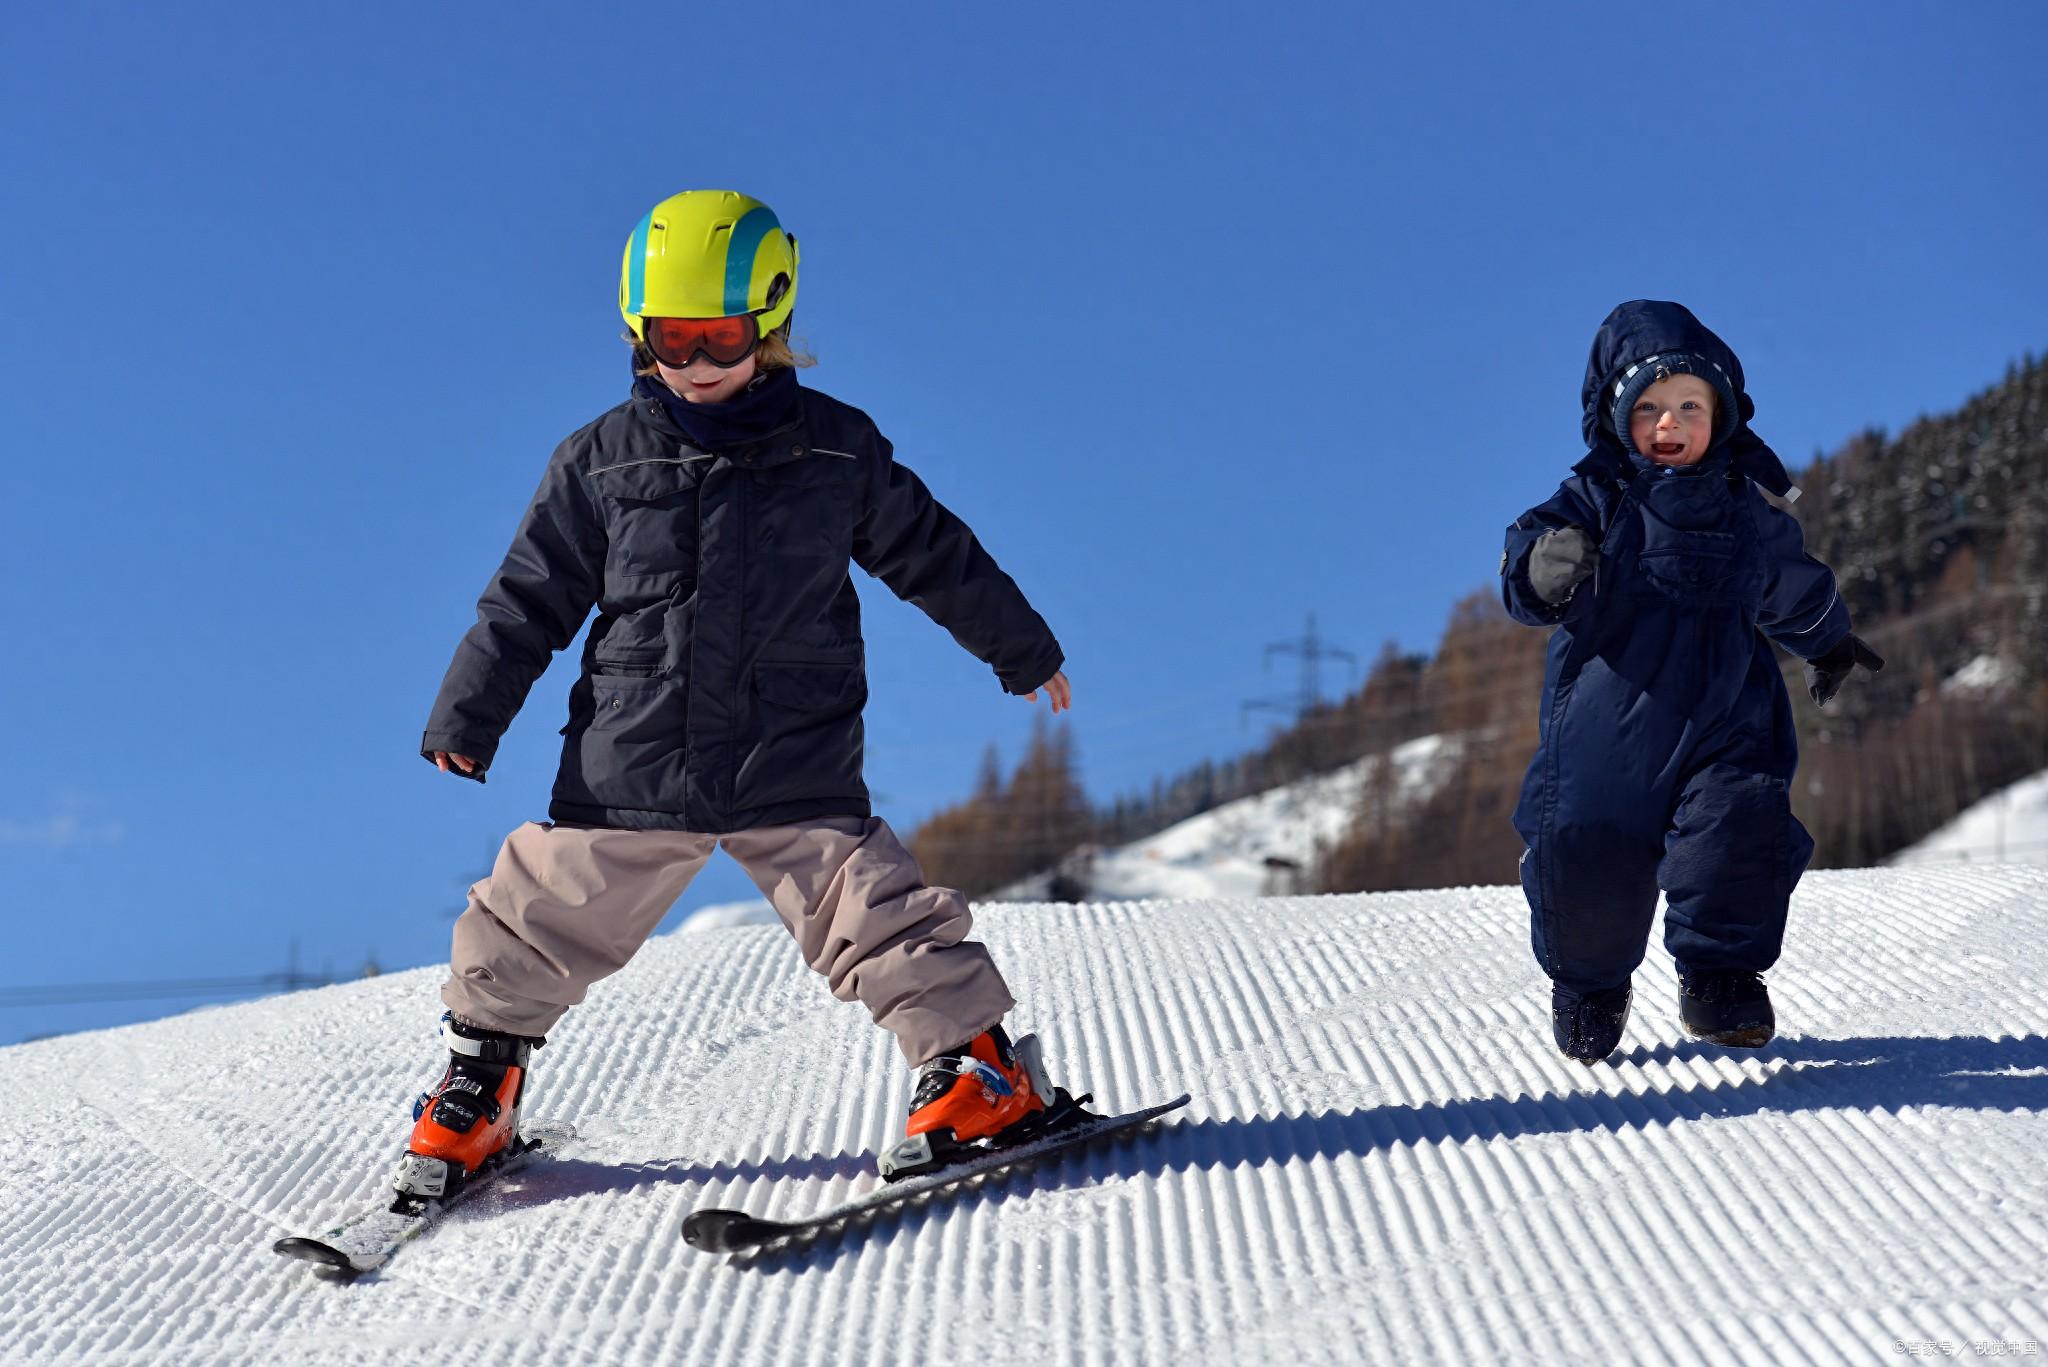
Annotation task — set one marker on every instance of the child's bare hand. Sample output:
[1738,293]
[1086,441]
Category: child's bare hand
[1058,692]
[462,762]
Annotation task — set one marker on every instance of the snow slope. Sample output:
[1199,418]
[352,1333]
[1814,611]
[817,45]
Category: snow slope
[726,915]
[1385,1159]
[2011,824]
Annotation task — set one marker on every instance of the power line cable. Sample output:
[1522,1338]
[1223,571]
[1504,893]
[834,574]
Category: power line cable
[72,994]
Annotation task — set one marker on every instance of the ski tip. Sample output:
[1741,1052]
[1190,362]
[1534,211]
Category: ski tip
[1164,1109]
[313,1251]
[726,1231]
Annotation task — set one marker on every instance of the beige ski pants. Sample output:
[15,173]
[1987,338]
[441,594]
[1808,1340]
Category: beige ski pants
[566,905]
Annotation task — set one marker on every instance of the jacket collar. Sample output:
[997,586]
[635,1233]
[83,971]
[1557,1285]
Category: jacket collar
[752,424]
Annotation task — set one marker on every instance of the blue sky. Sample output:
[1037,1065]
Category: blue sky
[1205,318]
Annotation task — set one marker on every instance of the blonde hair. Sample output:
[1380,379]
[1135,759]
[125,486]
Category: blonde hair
[776,352]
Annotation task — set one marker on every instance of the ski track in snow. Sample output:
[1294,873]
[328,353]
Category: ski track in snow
[1385,1160]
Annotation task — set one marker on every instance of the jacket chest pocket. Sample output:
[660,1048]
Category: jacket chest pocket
[805,508]
[1691,567]
[650,517]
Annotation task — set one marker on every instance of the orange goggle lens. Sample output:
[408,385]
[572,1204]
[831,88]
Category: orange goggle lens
[724,342]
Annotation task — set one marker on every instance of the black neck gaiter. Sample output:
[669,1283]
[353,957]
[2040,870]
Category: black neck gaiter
[764,405]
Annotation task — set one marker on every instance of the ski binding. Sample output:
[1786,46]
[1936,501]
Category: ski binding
[422,1195]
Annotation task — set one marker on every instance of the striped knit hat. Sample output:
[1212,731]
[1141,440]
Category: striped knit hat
[1629,387]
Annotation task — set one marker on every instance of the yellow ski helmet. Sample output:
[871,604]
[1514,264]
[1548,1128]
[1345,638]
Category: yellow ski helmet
[708,254]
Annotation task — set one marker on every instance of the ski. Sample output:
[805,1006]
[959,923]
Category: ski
[735,1231]
[367,1240]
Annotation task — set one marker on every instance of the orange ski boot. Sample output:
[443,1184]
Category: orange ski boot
[978,1095]
[471,1118]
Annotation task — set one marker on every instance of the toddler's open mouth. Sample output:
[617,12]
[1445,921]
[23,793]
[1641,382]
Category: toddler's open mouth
[1667,448]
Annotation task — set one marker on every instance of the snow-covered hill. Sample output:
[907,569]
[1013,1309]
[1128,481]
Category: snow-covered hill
[1385,1161]
[1260,844]
[2010,825]
[1256,845]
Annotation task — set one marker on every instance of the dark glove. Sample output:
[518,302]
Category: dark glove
[1560,562]
[1825,673]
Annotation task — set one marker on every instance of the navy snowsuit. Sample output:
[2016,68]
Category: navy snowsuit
[1667,740]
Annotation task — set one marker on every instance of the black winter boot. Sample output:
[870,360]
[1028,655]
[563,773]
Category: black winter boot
[1726,1006]
[1587,1025]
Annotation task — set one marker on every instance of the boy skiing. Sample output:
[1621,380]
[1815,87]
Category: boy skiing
[1666,735]
[710,520]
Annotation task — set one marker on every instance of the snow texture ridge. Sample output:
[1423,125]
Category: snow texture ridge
[1385,1160]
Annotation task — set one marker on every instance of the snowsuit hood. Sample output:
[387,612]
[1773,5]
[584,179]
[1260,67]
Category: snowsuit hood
[1638,330]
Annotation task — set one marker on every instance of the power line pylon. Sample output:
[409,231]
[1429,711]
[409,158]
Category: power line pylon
[1312,650]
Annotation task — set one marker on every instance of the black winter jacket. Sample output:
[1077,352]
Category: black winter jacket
[724,677]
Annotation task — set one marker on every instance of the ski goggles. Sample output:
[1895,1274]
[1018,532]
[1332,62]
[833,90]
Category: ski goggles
[725,342]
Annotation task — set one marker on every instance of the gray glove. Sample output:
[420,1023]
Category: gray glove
[1560,561]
